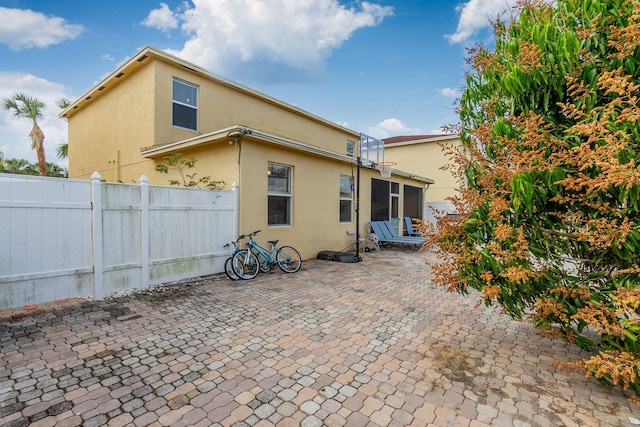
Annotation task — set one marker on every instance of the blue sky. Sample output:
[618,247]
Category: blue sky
[382,67]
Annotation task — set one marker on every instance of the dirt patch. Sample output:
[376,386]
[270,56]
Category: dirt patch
[454,363]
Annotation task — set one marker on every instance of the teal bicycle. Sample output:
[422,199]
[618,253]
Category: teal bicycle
[227,264]
[247,263]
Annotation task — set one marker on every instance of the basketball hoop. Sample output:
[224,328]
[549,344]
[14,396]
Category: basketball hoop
[384,168]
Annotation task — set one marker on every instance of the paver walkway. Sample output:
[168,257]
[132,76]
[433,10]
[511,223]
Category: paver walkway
[366,344]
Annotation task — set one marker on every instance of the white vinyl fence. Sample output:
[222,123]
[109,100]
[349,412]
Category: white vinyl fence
[432,210]
[63,238]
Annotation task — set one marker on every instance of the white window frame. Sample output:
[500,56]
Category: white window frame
[345,199]
[351,147]
[287,193]
[394,200]
[193,106]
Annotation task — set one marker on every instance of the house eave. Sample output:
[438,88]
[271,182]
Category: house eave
[207,138]
[413,176]
[239,131]
[422,141]
[243,131]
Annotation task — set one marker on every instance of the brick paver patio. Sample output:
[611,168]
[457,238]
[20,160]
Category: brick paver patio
[366,344]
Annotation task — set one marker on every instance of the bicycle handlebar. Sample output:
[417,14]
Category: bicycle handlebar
[254,233]
[242,236]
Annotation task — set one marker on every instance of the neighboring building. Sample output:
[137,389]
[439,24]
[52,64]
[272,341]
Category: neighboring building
[295,171]
[424,154]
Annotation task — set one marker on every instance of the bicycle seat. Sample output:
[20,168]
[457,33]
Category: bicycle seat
[274,242]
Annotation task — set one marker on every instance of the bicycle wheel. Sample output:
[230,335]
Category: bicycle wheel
[288,259]
[245,264]
[228,268]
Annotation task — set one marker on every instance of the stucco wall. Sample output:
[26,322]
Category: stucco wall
[315,218]
[218,160]
[221,106]
[315,197]
[109,132]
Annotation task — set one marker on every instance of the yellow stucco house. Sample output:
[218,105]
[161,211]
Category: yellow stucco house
[296,171]
[421,154]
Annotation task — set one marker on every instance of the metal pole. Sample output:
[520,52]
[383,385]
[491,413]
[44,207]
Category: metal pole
[358,211]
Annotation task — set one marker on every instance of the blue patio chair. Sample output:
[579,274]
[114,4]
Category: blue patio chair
[411,232]
[392,232]
[386,234]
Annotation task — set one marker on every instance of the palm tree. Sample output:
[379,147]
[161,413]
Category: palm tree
[62,150]
[24,106]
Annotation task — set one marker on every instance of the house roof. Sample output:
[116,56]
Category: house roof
[417,139]
[140,59]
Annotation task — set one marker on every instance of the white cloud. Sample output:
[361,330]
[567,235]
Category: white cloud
[107,57]
[448,92]
[271,40]
[14,132]
[162,18]
[24,29]
[392,127]
[475,15]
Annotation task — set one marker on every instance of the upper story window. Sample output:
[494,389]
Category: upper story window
[279,194]
[185,105]
[350,148]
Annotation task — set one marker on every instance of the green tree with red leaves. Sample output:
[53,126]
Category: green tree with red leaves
[549,222]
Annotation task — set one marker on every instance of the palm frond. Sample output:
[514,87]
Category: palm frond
[24,106]
[62,151]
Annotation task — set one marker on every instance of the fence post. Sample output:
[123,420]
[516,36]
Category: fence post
[96,236]
[144,231]
[236,210]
